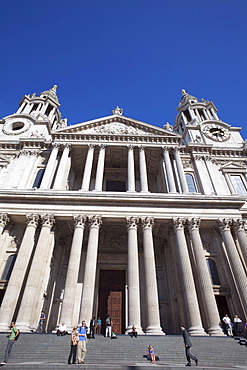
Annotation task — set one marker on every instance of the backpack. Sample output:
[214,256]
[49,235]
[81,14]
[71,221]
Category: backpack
[17,336]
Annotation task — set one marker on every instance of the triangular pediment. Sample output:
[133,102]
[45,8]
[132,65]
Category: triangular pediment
[233,166]
[117,125]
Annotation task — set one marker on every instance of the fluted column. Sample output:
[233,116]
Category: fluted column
[169,172]
[100,169]
[235,261]
[131,169]
[88,168]
[70,298]
[18,274]
[3,221]
[143,170]
[181,174]
[90,269]
[50,168]
[187,281]
[153,317]
[239,227]
[134,309]
[32,296]
[59,180]
[206,289]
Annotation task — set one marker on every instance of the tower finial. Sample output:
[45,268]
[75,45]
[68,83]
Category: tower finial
[54,87]
[183,91]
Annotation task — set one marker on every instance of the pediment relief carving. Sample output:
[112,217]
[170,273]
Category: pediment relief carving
[116,128]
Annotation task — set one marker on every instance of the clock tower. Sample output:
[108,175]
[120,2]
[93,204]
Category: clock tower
[198,121]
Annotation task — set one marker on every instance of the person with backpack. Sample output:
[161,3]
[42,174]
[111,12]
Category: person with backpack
[14,335]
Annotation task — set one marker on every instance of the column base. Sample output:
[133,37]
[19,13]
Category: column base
[154,330]
[24,327]
[215,331]
[4,327]
[197,330]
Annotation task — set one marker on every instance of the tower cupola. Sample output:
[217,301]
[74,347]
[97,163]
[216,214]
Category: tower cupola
[193,112]
[43,107]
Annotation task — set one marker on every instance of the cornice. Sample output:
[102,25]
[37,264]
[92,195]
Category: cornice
[56,199]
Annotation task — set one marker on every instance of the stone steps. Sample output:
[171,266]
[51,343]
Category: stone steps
[47,351]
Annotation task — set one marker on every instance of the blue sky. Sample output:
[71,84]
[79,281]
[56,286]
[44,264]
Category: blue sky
[137,54]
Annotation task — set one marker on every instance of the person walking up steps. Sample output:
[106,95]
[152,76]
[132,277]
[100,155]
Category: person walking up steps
[188,344]
[11,341]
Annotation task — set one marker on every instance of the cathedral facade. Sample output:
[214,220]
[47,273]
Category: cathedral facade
[118,217]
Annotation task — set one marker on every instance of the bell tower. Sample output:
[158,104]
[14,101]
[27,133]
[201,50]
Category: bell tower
[43,107]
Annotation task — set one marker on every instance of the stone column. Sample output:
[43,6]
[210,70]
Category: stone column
[70,298]
[59,181]
[134,309]
[27,176]
[18,274]
[143,170]
[100,169]
[152,301]
[187,281]
[131,169]
[90,269]
[169,172]
[3,221]
[32,295]
[206,289]
[235,261]
[181,174]
[50,168]
[88,168]
[239,228]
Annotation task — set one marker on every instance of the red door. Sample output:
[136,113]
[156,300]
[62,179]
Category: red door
[114,308]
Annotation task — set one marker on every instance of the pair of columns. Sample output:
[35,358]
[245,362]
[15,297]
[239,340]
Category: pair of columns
[188,289]
[169,171]
[35,286]
[205,285]
[101,164]
[134,311]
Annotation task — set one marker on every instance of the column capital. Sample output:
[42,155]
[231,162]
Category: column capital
[178,223]
[91,146]
[95,221]
[66,145]
[79,220]
[142,147]
[56,145]
[48,220]
[147,222]
[166,148]
[131,146]
[193,223]
[224,224]
[32,219]
[239,224]
[132,222]
[102,146]
[4,219]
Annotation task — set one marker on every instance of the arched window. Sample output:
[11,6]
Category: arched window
[213,272]
[190,183]
[8,267]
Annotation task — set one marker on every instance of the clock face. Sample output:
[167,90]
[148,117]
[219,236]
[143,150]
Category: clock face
[216,132]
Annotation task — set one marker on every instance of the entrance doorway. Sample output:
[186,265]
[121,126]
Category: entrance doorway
[112,299]
[222,305]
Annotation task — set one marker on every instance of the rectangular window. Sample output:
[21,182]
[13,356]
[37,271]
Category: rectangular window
[238,184]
